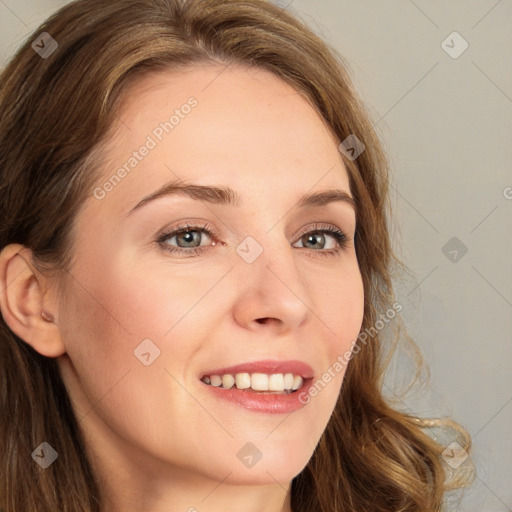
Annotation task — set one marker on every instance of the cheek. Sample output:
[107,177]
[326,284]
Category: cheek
[341,308]
[122,318]
[105,321]
[122,304]
[152,300]
[99,343]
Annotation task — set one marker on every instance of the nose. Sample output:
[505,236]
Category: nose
[271,292]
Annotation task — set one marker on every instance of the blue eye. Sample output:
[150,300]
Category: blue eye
[186,234]
[189,237]
[313,236]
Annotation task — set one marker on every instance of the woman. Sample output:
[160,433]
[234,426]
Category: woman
[196,269]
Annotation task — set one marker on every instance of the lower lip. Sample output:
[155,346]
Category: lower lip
[263,402]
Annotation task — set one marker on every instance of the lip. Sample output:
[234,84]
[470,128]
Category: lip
[268,366]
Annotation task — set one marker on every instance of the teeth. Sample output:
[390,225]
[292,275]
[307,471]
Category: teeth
[215,380]
[288,380]
[228,381]
[259,381]
[285,383]
[276,382]
[242,380]
[297,382]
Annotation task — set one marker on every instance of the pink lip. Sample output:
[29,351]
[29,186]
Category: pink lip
[267,366]
[263,402]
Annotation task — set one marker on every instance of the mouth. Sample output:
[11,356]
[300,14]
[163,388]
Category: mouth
[269,386]
[275,383]
[265,377]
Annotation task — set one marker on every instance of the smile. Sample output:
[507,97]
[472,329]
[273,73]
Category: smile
[282,383]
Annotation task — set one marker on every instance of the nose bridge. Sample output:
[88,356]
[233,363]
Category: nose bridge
[267,252]
[270,284]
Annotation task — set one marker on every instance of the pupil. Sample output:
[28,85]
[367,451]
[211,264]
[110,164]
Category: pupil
[191,236]
[315,237]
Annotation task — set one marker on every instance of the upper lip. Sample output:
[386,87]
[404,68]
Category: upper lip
[268,366]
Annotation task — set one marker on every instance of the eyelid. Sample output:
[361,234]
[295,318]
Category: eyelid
[189,226]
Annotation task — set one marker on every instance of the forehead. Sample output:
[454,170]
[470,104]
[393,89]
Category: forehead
[247,128]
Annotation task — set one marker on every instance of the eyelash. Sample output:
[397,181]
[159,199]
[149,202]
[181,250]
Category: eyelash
[341,238]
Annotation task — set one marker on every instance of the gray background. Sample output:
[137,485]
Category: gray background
[446,125]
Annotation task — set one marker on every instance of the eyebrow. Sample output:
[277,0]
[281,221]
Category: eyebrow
[227,196]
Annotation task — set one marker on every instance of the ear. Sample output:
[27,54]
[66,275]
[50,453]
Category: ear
[26,302]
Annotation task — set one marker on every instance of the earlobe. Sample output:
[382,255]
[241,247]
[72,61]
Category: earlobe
[24,302]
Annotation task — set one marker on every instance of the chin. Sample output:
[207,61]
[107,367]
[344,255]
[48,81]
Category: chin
[264,463]
[283,473]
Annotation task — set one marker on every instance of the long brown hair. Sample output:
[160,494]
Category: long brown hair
[55,113]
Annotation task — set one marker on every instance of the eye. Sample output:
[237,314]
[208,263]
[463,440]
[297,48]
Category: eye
[317,237]
[188,240]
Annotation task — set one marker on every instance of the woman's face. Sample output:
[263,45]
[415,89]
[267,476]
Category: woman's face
[146,314]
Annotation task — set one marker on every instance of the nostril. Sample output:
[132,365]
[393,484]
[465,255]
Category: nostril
[266,320]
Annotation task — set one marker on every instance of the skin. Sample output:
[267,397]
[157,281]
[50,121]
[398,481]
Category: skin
[156,436]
